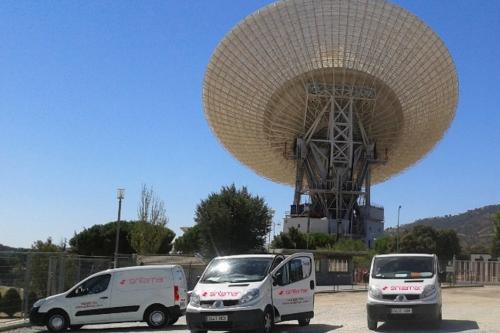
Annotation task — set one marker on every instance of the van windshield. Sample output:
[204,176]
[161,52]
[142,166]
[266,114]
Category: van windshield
[403,268]
[237,270]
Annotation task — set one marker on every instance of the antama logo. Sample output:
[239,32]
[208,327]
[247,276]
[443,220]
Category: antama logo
[293,291]
[385,288]
[220,293]
[142,280]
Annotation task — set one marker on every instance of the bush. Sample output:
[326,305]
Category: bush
[11,302]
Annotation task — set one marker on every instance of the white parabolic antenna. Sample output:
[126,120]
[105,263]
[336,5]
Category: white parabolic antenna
[330,96]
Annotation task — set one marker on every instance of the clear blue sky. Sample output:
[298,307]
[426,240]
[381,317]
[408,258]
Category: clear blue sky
[96,95]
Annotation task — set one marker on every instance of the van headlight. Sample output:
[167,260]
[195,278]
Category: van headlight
[194,300]
[374,292]
[429,291]
[39,303]
[249,296]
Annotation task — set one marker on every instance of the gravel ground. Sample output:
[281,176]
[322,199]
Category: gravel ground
[464,310]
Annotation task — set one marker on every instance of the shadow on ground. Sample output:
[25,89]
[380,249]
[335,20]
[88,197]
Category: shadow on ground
[294,328]
[282,328]
[127,329]
[132,329]
[446,326]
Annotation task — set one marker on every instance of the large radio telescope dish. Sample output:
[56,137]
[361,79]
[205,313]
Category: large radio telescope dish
[256,82]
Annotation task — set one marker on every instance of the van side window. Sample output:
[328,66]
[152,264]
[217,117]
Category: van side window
[282,276]
[300,268]
[295,270]
[92,286]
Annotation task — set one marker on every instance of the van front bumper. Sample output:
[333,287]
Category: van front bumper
[237,320]
[37,318]
[383,312]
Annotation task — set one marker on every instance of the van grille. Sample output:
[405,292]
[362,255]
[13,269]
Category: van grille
[209,304]
[409,297]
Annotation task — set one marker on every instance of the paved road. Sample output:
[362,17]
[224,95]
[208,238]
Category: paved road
[464,310]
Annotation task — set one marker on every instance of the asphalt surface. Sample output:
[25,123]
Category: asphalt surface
[464,310]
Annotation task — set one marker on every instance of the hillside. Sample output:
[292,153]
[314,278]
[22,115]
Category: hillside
[474,227]
[8,248]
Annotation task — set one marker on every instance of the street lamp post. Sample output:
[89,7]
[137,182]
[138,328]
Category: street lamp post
[120,194]
[273,231]
[397,236]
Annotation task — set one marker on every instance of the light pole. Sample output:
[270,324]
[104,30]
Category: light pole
[120,194]
[397,235]
[273,231]
[274,228]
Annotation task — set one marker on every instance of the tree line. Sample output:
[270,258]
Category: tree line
[234,221]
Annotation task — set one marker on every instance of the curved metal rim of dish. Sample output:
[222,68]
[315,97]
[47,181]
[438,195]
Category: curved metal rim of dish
[288,39]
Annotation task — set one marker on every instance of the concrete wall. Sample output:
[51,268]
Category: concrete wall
[315,225]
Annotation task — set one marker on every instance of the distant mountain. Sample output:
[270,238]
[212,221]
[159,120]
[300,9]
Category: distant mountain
[474,227]
[8,248]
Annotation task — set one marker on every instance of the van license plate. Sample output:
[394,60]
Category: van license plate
[401,310]
[216,318]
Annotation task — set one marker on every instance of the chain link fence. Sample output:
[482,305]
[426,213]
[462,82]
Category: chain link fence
[28,276]
[193,266]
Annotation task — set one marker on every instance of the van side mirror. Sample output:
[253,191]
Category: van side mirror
[275,281]
[278,278]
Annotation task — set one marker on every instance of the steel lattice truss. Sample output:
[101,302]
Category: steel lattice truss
[260,82]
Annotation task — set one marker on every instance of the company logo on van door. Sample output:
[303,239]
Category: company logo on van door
[292,291]
[402,288]
[220,293]
[89,304]
[142,280]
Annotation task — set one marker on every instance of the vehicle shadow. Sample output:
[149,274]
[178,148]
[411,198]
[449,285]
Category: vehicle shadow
[281,328]
[142,328]
[447,325]
[312,328]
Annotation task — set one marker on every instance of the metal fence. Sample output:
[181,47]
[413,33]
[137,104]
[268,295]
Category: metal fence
[193,266]
[483,272]
[28,276]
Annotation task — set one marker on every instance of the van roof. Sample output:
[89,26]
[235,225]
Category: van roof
[249,256]
[405,255]
[138,268]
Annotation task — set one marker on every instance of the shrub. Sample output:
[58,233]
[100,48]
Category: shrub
[11,302]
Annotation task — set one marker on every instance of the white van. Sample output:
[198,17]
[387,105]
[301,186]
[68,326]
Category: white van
[154,294]
[245,292]
[404,286]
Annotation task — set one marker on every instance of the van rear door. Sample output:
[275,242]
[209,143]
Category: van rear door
[293,286]
[180,287]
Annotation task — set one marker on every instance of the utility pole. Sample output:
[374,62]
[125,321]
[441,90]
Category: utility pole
[120,194]
[397,236]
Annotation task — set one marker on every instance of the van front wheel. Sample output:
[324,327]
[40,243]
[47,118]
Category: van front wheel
[157,317]
[267,322]
[57,322]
